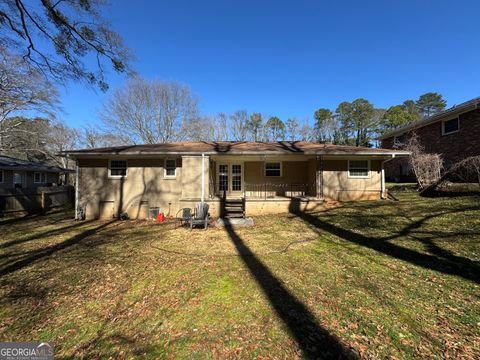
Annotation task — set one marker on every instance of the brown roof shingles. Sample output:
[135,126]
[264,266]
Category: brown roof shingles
[232,147]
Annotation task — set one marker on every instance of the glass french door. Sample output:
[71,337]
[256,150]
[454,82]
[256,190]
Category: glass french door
[223,177]
[230,178]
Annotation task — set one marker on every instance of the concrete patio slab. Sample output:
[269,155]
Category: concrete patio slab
[243,222]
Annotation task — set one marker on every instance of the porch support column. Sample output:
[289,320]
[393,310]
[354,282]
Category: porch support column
[383,191]
[203,178]
[319,178]
[77,190]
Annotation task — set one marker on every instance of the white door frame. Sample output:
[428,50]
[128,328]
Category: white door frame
[230,192]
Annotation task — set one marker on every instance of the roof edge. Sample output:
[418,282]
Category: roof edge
[455,110]
[152,153]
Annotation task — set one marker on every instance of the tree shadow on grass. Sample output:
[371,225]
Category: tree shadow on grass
[314,340]
[12,219]
[38,254]
[442,260]
[37,236]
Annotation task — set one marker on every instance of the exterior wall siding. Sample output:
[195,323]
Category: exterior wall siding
[142,188]
[145,186]
[191,179]
[338,186]
[292,172]
[7,180]
[28,179]
[453,147]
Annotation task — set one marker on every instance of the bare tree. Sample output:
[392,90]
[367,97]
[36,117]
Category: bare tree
[220,131]
[59,37]
[239,125]
[466,171]
[22,89]
[293,128]
[61,138]
[93,137]
[201,128]
[150,111]
[426,167]
[306,132]
[208,128]
[25,137]
[40,139]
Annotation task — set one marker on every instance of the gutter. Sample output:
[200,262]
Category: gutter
[334,153]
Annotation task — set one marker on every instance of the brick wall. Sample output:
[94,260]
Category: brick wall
[453,147]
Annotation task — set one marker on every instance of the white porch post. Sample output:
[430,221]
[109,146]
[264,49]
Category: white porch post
[383,181]
[203,178]
[77,183]
[319,177]
[383,190]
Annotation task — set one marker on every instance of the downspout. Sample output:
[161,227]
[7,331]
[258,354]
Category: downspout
[322,196]
[382,195]
[203,177]
[77,183]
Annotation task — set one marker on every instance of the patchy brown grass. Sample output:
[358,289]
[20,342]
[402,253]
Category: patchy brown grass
[387,279]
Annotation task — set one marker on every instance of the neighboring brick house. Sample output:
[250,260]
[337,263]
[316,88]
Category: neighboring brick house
[453,133]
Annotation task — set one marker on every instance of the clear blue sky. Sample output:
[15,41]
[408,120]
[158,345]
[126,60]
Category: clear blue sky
[288,58]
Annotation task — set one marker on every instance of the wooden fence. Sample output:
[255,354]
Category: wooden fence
[35,200]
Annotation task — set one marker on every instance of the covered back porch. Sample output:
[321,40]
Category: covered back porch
[265,177]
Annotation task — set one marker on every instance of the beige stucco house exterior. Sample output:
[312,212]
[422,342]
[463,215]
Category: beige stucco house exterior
[269,177]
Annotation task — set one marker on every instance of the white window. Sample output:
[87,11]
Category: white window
[1,176]
[450,126]
[358,168]
[118,168]
[17,180]
[39,178]
[170,168]
[273,169]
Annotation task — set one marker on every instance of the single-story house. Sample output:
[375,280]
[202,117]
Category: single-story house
[19,173]
[453,133]
[268,177]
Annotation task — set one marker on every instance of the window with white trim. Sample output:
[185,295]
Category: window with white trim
[450,126]
[117,168]
[1,176]
[39,177]
[358,168]
[273,169]
[170,168]
[17,179]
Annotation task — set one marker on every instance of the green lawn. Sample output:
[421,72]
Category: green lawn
[379,279]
